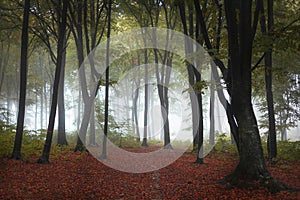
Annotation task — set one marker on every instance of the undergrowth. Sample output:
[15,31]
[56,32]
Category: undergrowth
[33,143]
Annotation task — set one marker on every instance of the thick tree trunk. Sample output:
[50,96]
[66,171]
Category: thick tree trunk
[16,154]
[240,39]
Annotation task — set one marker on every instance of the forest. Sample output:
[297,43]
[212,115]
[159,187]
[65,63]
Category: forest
[149,99]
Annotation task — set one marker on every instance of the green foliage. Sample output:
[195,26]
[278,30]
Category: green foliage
[32,145]
[155,142]
[287,150]
[224,145]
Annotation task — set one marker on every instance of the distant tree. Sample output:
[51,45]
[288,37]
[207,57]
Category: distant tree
[85,21]
[16,155]
[46,31]
[194,80]
[144,142]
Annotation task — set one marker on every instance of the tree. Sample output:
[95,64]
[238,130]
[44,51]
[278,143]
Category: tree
[238,78]
[16,155]
[104,152]
[45,29]
[240,42]
[78,14]
[62,23]
[194,81]
[283,40]
[272,145]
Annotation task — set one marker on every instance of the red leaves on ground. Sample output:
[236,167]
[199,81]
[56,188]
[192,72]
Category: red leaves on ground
[83,177]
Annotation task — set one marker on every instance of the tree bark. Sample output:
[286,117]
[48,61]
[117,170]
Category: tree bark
[104,150]
[144,143]
[61,131]
[212,111]
[240,40]
[272,144]
[16,154]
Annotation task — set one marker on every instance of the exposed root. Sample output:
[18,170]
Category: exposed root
[199,161]
[17,157]
[238,180]
[43,160]
[80,148]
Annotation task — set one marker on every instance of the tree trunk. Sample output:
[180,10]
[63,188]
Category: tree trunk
[134,107]
[240,40]
[16,154]
[104,150]
[272,144]
[144,143]
[60,54]
[284,135]
[194,77]
[212,111]
[3,62]
[225,71]
[92,136]
[61,131]
[41,93]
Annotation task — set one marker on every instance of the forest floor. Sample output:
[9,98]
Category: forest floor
[80,176]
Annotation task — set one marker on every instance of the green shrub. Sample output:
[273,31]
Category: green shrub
[286,150]
[224,145]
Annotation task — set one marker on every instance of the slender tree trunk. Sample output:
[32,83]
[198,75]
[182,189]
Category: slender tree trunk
[36,110]
[194,77]
[144,143]
[3,63]
[272,144]
[163,80]
[212,112]
[225,72]
[77,29]
[283,135]
[92,136]
[78,110]
[200,128]
[41,95]
[136,120]
[46,102]
[60,54]
[61,131]
[16,154]
[8,103]
[104,150]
